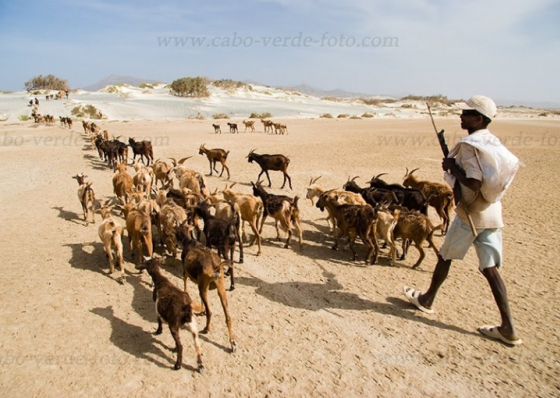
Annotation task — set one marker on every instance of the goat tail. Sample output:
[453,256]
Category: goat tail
[296,199]
[197,307]
[431,234]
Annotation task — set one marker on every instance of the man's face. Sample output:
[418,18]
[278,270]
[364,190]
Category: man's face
[470,119]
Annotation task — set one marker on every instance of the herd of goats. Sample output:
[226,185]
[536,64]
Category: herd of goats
[187,216]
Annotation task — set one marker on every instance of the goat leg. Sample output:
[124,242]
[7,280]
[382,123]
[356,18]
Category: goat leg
[203,292]
[192,327]
[160,326]
[178,346]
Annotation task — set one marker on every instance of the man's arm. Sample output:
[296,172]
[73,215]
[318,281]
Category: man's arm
[450,165]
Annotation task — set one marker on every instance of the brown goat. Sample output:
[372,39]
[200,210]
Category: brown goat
[139,227]
[174,307]
[110,232]
[283,209]
[214,156]
[250,124]
[440,196]
[122,183]
[251,209]
[86,196]
[417,228]
[202,266]
[217,129]
[354,221]
[271,162]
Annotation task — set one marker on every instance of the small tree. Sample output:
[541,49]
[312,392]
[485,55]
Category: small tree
[49,82]
[190,87]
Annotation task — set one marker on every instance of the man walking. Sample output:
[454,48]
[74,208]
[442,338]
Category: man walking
[483,169]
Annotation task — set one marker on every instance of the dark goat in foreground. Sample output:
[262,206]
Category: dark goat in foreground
[271,162]
[214,156]
[142,148]
[202,266]
[222,234]
[175,307]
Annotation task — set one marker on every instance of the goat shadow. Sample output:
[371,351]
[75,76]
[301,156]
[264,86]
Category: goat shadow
[143,305]
[70,216]
[135,341]
[328,295]
[96,163]
[94,261]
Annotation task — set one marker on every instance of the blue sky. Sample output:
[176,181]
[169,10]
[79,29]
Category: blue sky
[506,50]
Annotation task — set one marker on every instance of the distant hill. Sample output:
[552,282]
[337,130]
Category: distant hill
[117,79]
[317,92]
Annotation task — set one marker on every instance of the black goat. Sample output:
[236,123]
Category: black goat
[410,198]
[232,128]
[222,234]
[372,196]
[142,148]
[271,162]
[175,307]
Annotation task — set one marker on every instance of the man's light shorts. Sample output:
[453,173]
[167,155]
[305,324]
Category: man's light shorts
[459,238]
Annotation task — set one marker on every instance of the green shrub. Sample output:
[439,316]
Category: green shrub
[24,118]
[86,110]
[49,82]
[441,99]
[220,116]
[146,85]
[228,84]
[190,87]
[326,116]
[264,115]
[355,117]
[367,115]
[342,116]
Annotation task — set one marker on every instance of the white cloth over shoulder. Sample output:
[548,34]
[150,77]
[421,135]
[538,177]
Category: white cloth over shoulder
[497,163]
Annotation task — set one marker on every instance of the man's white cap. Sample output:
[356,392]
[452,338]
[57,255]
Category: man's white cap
[483,105]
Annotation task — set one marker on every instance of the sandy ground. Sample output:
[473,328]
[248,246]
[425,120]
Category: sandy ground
[307,323]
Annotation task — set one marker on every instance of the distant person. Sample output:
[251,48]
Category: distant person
[30,102]
[36,101]
[483,169]
[66,92]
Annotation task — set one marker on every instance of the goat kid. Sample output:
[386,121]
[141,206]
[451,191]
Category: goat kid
[175,308]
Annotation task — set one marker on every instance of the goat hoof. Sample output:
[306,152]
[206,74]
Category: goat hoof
[233,346]
[232,288]
[240,261]
[177,366]
[157,332]
[200,368]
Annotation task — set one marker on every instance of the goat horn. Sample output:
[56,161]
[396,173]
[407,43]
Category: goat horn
[174,162]
[182,160]
[354,178]
[379,175]
[412,171]
[315,180]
